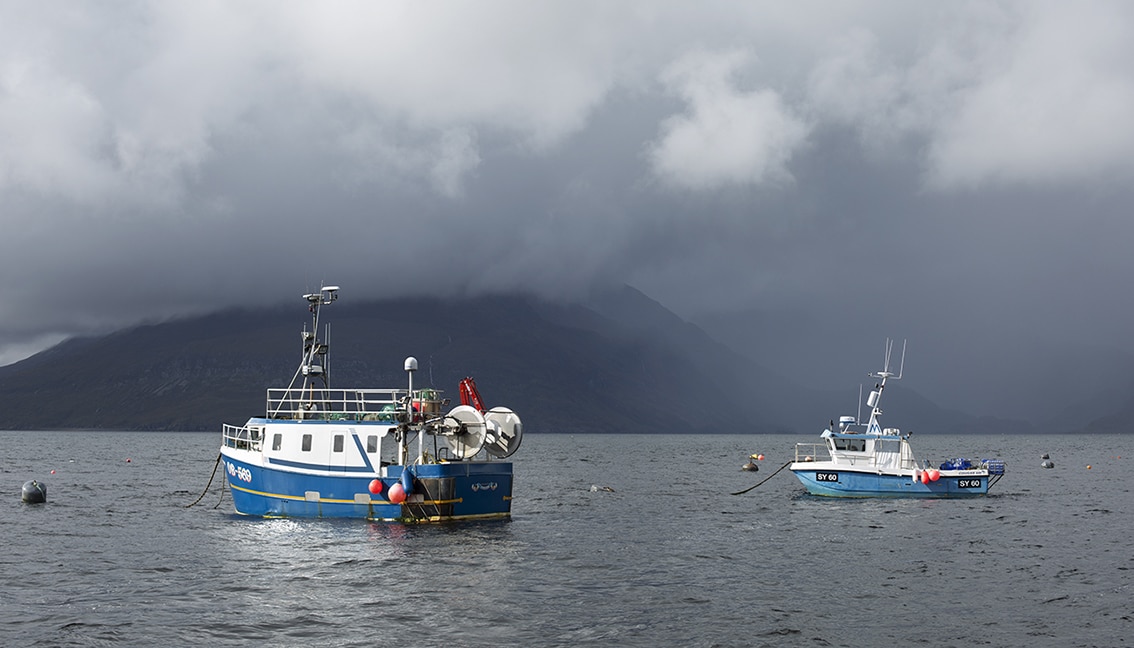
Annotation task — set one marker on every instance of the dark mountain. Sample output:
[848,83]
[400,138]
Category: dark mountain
[618,363]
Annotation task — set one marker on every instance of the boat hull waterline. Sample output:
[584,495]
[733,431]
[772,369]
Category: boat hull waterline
[443,491]
[840,482]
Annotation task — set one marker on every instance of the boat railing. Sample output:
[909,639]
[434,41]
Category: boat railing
[821,452]
[812,452]
[242,437]
[336,404]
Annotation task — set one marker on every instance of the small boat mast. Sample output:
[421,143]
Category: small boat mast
[886,374]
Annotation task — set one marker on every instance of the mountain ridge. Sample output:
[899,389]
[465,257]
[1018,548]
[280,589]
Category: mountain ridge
[615,362]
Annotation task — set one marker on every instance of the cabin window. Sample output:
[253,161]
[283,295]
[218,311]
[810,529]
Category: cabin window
[306,442]
[338,443]
[853,445]
[277,441]
[372,443]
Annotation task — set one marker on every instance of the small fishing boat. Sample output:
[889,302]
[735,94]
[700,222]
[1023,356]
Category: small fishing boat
[377,454]
[866,460]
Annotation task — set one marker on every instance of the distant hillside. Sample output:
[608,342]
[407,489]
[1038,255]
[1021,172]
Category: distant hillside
[618,363]
[1067,387]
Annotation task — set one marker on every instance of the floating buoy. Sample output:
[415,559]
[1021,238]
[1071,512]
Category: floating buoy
[1088,466]
[751,465]
[397,493]
[127,459]
[53,472]
[375,486]
[934,474]
[34,492]
[1045,456]
[1047,463]
[759,457]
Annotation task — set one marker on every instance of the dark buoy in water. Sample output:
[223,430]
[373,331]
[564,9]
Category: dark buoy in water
[35,492]
[751,465]
[1048,463]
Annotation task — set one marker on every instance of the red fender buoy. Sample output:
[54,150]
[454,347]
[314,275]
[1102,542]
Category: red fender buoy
[397,493]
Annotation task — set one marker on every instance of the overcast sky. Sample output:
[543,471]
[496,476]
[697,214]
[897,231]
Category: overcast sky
[956,167]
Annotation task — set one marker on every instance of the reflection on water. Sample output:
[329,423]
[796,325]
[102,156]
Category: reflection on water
[660,554]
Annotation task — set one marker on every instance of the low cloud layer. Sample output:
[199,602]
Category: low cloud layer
[943,163]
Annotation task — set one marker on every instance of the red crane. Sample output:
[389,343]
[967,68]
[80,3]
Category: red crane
[470,396]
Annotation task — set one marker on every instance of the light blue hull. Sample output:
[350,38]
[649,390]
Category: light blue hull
[448,491]
[848,483]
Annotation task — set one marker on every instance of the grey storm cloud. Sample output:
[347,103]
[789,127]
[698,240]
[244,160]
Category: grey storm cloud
[923,164]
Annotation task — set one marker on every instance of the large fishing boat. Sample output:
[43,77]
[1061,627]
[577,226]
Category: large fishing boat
[866,460]
[378,454]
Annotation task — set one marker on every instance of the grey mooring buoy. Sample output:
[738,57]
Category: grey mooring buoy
[35,492]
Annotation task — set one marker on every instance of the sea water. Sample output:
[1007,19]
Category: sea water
[615,540]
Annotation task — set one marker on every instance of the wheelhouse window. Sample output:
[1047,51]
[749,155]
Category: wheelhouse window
[853,445]
[277,441]
[338,443]
[306,442]
[372,443]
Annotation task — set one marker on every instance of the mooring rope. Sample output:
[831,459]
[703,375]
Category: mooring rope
[208,484]
[764,480]
[223,490]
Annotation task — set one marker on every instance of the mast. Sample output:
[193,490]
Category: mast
[872,400]
[314,363]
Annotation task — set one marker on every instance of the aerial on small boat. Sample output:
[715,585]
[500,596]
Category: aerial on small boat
[866,460]
[388,454]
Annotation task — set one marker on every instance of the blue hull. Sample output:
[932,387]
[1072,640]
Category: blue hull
[449,491]
[847,483]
